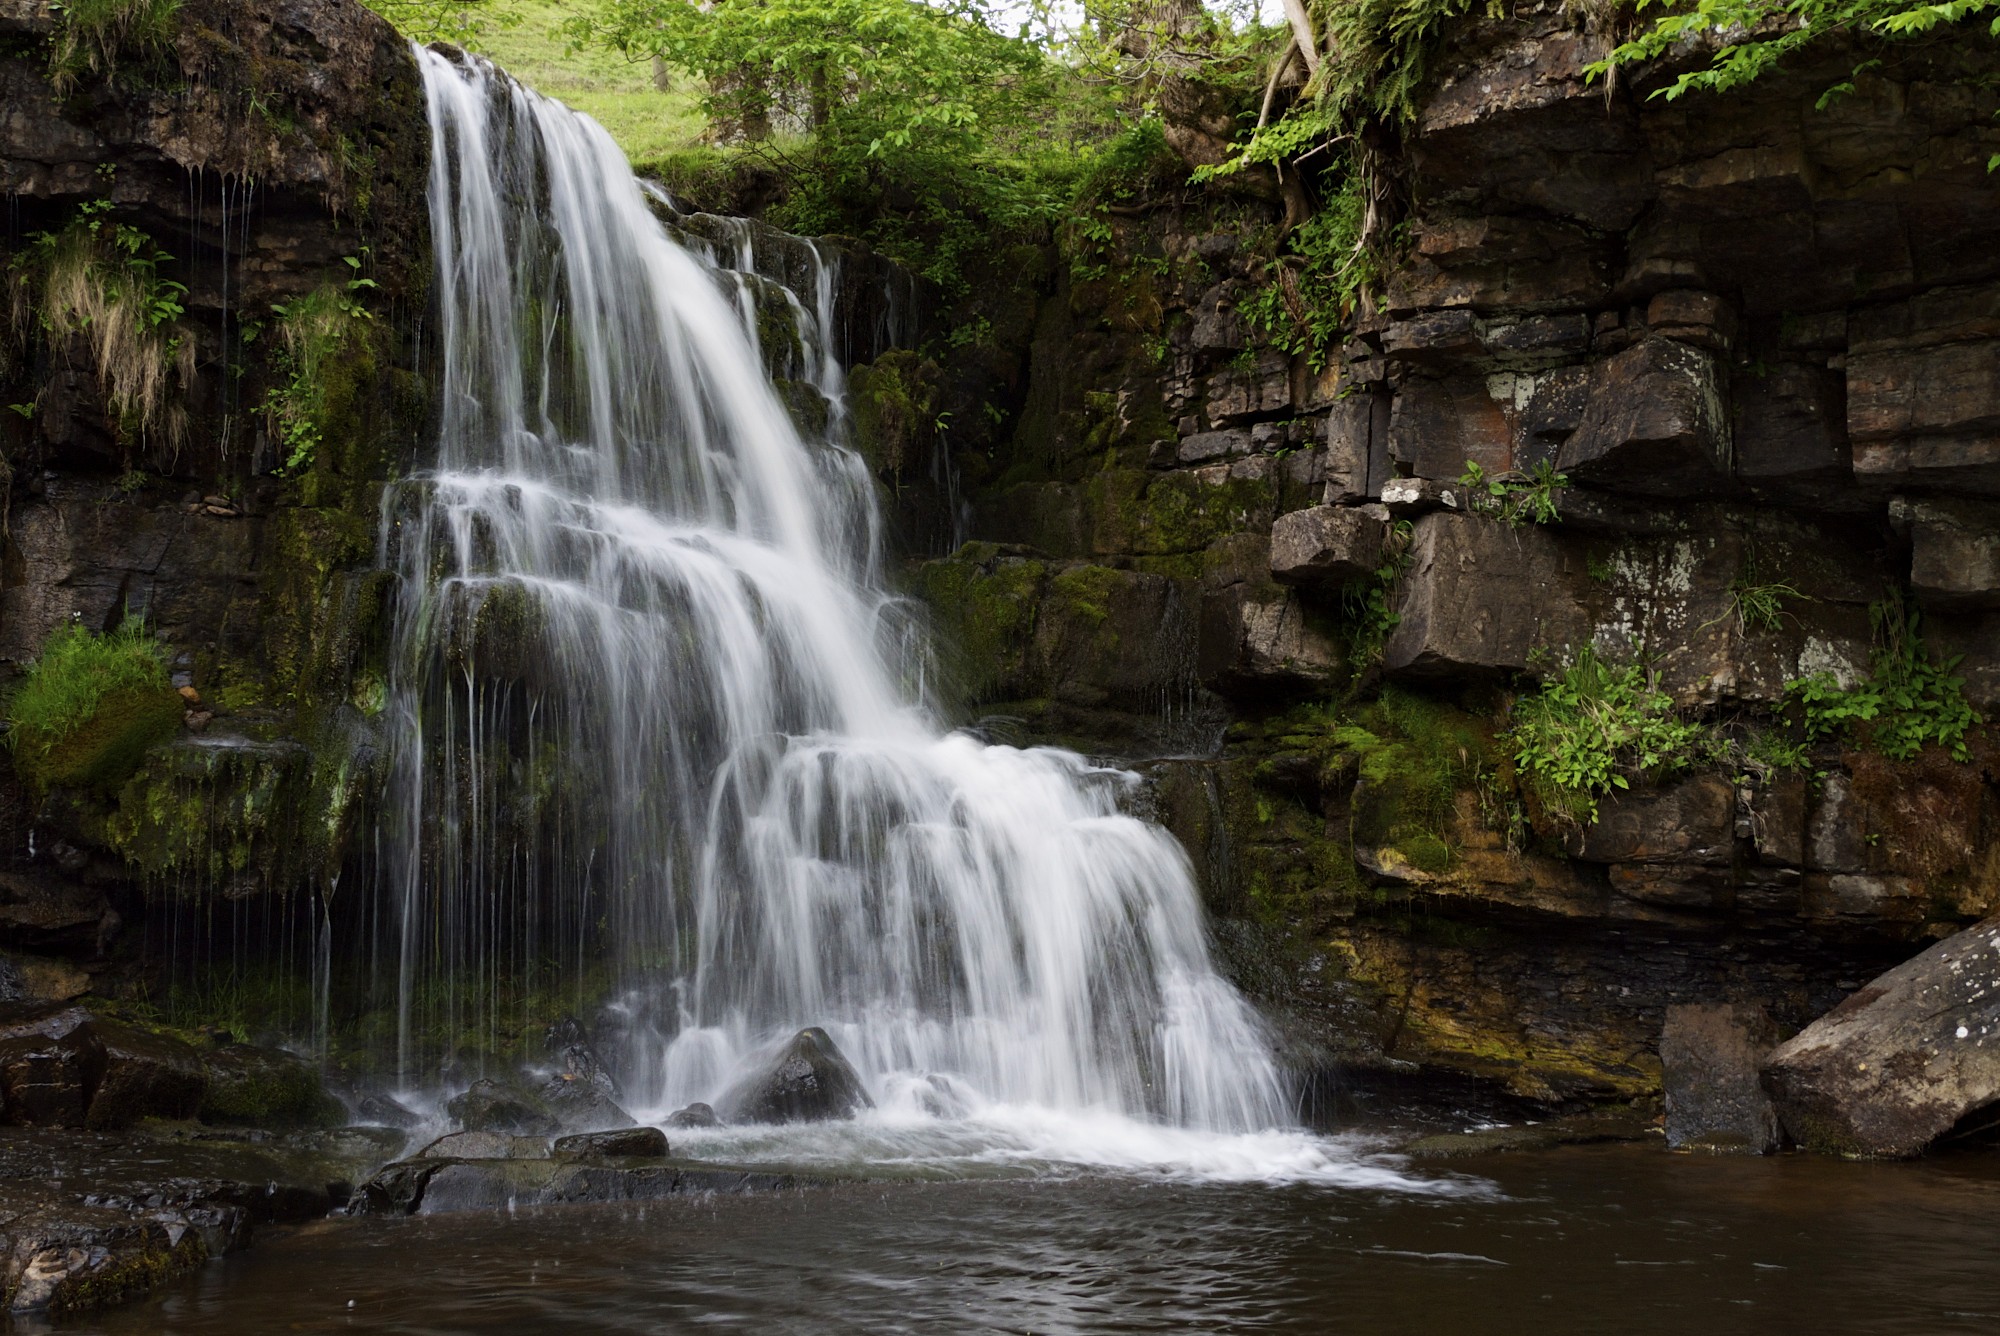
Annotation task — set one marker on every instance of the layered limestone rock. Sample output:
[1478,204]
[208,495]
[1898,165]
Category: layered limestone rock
[1756,340]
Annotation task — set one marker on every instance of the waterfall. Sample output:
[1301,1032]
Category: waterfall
[659,722]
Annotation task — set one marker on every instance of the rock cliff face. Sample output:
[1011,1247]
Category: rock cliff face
[1761,341]
[254,159]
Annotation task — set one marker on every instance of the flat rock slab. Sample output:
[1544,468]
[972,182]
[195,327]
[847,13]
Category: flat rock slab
[1900,1062]
[88,1220]
[437,1186]
[1620,1123]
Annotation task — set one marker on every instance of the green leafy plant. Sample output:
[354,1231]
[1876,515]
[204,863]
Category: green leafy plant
[1595,726]
[1313,287]
[1371,605]
[1516,497]
[1760,607]
[1755,35]
[1909,701]
[309,331]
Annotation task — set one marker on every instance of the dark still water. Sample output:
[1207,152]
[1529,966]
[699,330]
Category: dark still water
[1623,1239]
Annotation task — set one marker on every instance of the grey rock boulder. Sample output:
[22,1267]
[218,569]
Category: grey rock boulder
[808,1080]
[1710,1054]
[1901,1061]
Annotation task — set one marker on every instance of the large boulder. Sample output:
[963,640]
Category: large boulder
[1903,1060]
[50,1064]
[1481,597]
[1328,546]
[808,1080]
[146,1075]
[1709,1054]
[489,1106]
[265,1087]
[1655,424]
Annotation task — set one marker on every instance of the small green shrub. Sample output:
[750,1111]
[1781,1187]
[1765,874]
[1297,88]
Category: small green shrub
[1516,497]
[1910,700]
[1304,306]
[1595,726]
[90,706]
[310,331]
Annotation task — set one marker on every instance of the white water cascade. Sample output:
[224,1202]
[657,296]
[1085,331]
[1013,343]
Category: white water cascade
[661,728]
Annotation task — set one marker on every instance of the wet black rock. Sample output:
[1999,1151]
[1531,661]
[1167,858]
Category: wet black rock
[582,1105]
[694,1115]
[50,1064]
[145,1076]
[484,1146]
[386,1112]
[808,1080]
[631,1143]
[1710,1055]
[88,1219]
[492,1107]
[432,1187]
[576,1057]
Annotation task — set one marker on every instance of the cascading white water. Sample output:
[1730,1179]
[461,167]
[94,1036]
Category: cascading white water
[656,727]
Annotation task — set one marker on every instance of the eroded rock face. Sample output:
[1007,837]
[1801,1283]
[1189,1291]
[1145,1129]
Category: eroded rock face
[1897,1064]
[808,1080]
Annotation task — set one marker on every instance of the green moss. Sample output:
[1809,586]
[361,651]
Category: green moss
[894,403]
[125,1276]
[986,608]
[1155,514]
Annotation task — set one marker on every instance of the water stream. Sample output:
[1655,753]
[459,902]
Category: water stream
[662,728]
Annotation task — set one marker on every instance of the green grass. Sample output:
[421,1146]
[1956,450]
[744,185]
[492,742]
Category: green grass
[90,706]
[619,94]
[78,669]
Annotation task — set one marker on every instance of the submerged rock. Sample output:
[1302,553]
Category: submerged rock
[1903,1060]
[809,1080]
[432,1187]
[1710,1055]
[630,1143]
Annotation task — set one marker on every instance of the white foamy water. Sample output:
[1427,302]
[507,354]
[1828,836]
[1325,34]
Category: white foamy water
[660,733]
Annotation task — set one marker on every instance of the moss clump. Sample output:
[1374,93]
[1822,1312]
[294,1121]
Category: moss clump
[894,400]
[90,707]
[986,607]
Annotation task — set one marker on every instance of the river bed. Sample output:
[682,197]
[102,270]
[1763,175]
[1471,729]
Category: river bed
[1624,1238]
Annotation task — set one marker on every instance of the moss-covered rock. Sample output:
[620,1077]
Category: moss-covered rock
[261,1087]
[101,753]
[894,401]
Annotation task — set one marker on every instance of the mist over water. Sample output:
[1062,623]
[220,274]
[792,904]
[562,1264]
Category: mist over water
[662,735]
